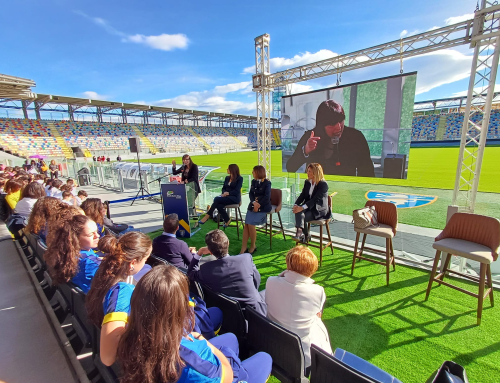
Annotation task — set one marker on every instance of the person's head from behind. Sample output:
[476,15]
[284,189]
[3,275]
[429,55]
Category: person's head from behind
[187,161]
[315,173]
[94,209]
[159,306]
[56,184]
[25,180]
[234,171]
[126,256]
[42,209]
[302,260]
[13,186]
[33,190]
[217,243]
[330,118]
[66,195]
[62,213]
[259,172]
[82,194]
[76,234]
[171,223]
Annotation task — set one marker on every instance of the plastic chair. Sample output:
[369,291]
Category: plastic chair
[387,215]
[474,237]
[284,346]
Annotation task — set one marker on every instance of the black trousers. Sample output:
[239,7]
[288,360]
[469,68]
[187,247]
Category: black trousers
[54,175]
[220,203]
[302,218]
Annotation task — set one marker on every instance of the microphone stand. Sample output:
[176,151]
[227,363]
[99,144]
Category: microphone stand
[161,194]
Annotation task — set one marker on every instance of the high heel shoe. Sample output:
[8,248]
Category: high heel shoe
[299,238]
[226,224]
[198,223]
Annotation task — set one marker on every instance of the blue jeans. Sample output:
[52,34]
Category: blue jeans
[257,366]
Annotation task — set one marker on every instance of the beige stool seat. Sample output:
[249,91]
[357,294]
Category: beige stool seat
[384,231]
[466,249]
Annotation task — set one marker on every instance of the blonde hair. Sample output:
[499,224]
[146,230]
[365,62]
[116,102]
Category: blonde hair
[302,260]
[317,170]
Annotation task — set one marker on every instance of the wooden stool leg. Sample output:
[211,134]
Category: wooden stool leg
[237,223]
[308,231]
[446,266]
[387,259]
[354,255]
[482,275]
[320,244]
[218,221]
[490,285]
[270,231]
[433,273]
[362,247]
[329,235]
[281,225]
[241,218]
[392,255]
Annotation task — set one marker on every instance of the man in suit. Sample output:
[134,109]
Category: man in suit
[171,249]
[235,276]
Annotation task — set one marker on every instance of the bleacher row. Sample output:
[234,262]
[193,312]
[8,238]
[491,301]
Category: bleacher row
[424,128]
[254,332]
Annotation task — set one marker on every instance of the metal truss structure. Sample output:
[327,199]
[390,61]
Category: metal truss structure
[481,32]
[117,111]
[451,103]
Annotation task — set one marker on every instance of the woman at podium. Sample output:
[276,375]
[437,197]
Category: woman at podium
[189,171]
[231,195]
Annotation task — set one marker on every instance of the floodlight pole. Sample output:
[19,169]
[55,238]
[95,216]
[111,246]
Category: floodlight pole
[486,42]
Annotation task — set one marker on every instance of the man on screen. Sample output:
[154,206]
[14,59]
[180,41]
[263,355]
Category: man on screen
[339,149]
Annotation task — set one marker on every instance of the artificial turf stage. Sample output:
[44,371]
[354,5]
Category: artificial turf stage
[431,172]
[391,326]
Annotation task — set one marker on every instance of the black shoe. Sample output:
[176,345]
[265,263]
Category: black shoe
[299,238]
[254,250]
[307,238]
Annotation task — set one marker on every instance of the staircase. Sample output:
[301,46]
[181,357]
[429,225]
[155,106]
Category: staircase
[144,140]
[68,153]
[200,138]
[277,137]
[87,153]
[441,129]
[234,138]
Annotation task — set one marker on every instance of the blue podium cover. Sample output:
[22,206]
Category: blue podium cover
[175,201]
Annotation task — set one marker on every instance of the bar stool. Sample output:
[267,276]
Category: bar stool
[237,211]
[387,216]
[276,202]
[472,236]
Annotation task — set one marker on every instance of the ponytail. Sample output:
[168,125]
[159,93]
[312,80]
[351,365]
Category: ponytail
[63,251]
[114,268]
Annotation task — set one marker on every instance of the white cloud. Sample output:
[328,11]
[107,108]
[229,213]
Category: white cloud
[164,42]
[213,100]
[91,95]
[457,19]
[281,63]
[300,88]
[481,89]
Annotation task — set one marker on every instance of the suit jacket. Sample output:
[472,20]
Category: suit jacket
[317,203]
[234,189]
[260,191]
[235,276]
[192,176]
[351,157]
[172,250]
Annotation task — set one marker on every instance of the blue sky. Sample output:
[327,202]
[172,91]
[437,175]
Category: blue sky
[198,55]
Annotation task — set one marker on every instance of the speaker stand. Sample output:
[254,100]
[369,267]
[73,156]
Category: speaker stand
[141,190]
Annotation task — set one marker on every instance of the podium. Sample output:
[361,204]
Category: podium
[178,199]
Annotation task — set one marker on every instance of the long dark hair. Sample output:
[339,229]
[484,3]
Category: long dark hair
[33,190]
[190,165]
[329,112]
[93,209]
[64,250]
[234,171]
[160,316]
[114,268]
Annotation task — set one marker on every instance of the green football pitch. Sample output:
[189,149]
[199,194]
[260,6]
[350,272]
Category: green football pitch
[431,172]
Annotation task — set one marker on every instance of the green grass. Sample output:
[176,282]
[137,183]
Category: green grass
[391,326]
[431,172]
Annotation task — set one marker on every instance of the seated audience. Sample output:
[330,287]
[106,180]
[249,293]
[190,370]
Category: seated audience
[231,194]
[171,249]
[296,303]
[67,198]
[108,301]
[42,209]
[48,184]
[260,205]
[54,189]
[69,256]
[19,218]
[72,185]
[235,276]
[160,306]
[13,189]
[95,210]
[81,196]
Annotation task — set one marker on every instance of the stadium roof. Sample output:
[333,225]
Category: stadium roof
[15,87]
[451,102]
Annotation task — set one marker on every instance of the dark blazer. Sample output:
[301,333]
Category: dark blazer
[317,203]
[172,250]
[192,175]
[234,189]
[351,157]
[260,191]
[235,276]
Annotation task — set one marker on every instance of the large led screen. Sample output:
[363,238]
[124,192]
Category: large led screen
[361,129]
